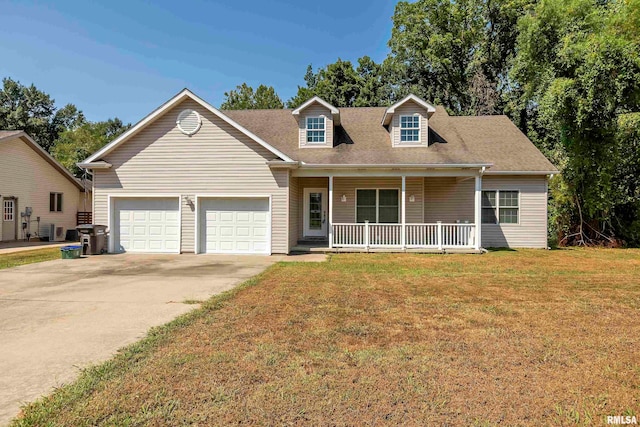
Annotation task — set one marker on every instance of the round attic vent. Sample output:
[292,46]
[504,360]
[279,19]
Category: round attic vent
[189,122]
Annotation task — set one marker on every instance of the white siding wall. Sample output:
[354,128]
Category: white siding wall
[531,232]
[409,109]
[25,175]
[218,159]
[315,110]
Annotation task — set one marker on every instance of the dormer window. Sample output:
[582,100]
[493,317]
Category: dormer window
[410,128]
[316,130]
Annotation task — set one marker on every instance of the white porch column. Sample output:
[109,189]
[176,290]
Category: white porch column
[403,211]
[478,212]
[330,225]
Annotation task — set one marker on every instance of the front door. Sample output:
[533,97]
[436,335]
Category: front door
[315,212]
[9,218]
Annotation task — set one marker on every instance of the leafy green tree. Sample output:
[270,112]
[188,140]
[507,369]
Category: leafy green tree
[75,145]
[578,66]
[244,98]
[455,53]
[29,109]
[343,85]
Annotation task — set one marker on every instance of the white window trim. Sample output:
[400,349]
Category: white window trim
[13,210]
[306,130]
[497,207]
[400,129]
[355,218]
[55,202]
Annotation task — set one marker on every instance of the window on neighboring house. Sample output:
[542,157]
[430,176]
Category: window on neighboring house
[316,130]
[500,206]
[8,210]
[378,206]
[55,202]
[410,128]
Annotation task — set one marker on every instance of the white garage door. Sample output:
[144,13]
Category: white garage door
[147,225]
[234,226]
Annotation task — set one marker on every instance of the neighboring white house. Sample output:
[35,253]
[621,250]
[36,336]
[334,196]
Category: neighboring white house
[38,196]
[191,178]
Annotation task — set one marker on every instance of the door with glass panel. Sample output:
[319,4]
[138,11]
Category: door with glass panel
[315,212]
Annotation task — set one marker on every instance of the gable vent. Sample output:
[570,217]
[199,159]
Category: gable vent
[189,122]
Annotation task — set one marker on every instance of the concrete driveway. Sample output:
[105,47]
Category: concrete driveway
[59,316]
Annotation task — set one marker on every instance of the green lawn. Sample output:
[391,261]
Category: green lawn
[28,257]
[511,338]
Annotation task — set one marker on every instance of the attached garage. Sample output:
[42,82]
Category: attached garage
[146,225]
[234,225]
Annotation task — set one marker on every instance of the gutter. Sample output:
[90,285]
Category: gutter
[398,165]
[94,165]
[522,173]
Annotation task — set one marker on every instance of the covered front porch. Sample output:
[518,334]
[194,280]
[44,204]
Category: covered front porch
[416,211]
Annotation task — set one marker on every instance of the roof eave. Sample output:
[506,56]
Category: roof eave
[335,113]
[182,95]
[398,166]
[529,172]
[389,112]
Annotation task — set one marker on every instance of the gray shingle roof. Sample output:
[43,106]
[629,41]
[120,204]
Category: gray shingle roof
[361,139]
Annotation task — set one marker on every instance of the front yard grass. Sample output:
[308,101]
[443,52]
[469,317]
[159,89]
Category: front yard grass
[512,338]
[28,257]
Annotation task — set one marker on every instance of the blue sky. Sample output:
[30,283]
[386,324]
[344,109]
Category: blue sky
[124,58]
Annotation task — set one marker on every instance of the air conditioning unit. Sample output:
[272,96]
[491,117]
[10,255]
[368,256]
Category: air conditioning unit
[56,234]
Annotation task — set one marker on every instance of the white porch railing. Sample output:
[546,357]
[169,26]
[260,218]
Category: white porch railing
[433,236]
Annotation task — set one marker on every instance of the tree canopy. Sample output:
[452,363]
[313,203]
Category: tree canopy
[343,85]
[243,97]
[29,109]
[76,144]
[64,132]
[578,65]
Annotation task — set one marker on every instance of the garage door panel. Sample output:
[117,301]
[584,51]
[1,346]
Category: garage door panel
[147,225]
[234,225]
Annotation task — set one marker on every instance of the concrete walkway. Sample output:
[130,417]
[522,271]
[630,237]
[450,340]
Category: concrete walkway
[59,316]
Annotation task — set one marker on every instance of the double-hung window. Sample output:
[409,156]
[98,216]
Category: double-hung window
[55,202]
[378,206]
[500,207]
[316,130]
[410,128]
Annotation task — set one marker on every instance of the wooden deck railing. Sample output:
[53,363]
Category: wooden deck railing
[435,236]
[84,218]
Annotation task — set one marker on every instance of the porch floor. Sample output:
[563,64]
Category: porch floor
[324,248]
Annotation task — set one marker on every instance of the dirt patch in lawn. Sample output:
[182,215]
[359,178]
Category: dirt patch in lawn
[526,337]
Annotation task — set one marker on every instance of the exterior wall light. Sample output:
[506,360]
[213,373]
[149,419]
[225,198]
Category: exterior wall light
[343,198]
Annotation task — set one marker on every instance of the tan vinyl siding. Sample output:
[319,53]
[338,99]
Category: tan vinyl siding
[294,204]
[531,232]
[409,109]
[345,212]
[217,160]
[315,110]
[24,174]
[414,210]
[320,182]
[188,222]
[448,200]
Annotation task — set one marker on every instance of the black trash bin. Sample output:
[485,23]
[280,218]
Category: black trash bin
[93,238]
